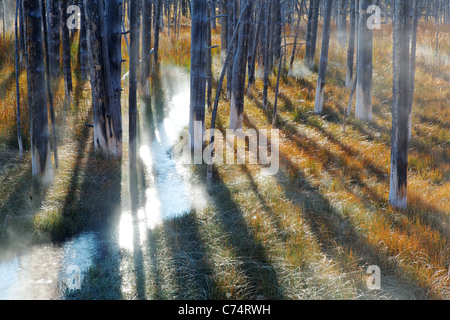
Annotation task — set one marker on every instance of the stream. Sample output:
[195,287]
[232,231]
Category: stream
[41,272]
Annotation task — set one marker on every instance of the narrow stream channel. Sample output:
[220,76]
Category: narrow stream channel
[40,272]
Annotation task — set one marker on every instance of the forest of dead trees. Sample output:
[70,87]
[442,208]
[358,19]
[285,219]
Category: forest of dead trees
[257,37]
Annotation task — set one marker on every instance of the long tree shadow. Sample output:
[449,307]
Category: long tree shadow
[419,210]
[333,230]
[193,274]
[260,274]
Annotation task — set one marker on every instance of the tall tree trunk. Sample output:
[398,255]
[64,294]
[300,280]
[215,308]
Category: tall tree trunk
[412,70]
[267,53]
[351,44]
[198,73]
[224,29]
[239,70]
[113,69]
[134,61]
[318,108]
[146,46]
[54,28]
[84,62]
[401,98]
[232,45]
[365,65]
[311,39]
[40,144]
[48,85]
[66,48]
[17,67]
[342,22]
[107,134]
[256,40]
[157,29]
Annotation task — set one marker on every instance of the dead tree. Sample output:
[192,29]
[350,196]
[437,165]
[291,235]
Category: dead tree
[54,36]
[37,100]
[198,72]
[239,70]
[320,89]
[17,67]
[107,114]
[365,64]
[351,44]
[48,85]
[400,104]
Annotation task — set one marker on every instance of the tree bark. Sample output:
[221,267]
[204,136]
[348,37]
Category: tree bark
[311,39]
[146,46]
[134,60]
[198,73]
[40,144]
[107,117]
[54,28]
[49,87]
[17,68]
[351,45]
[365,65]
[239,70]
[318,108]
[67,69]
[401,94]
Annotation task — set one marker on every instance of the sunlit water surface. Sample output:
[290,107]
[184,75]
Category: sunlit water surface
[40,272]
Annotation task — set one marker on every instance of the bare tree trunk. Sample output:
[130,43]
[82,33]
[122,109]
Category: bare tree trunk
[252,62]
[198,73]
[342,22]
[400,107]
[239,70]
[146,46]
[54,28]
[49,87]
[84,63]
[311,38]
[365,65]
[113,68]
[17,67]
[40,144]
[66,54]
[267,53]
[318,108]
[158,5]
[412,70]
[107,133]
[134,60]
[351,44]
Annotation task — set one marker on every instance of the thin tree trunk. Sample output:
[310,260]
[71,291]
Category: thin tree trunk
[40,144]
[351,44]
[146,46]
[84,63]
[134,60]
[66,54]
[49,87]
[54,36]
[320,89]
[412,70]
[157,29]
[17,67]
[400,107]
[365,65]
[239,71]
[198,73]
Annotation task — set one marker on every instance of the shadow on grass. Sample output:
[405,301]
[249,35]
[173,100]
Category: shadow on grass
[254,263]
[332,229]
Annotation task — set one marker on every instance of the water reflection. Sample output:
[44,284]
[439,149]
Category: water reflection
[39,273]
[170,190]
